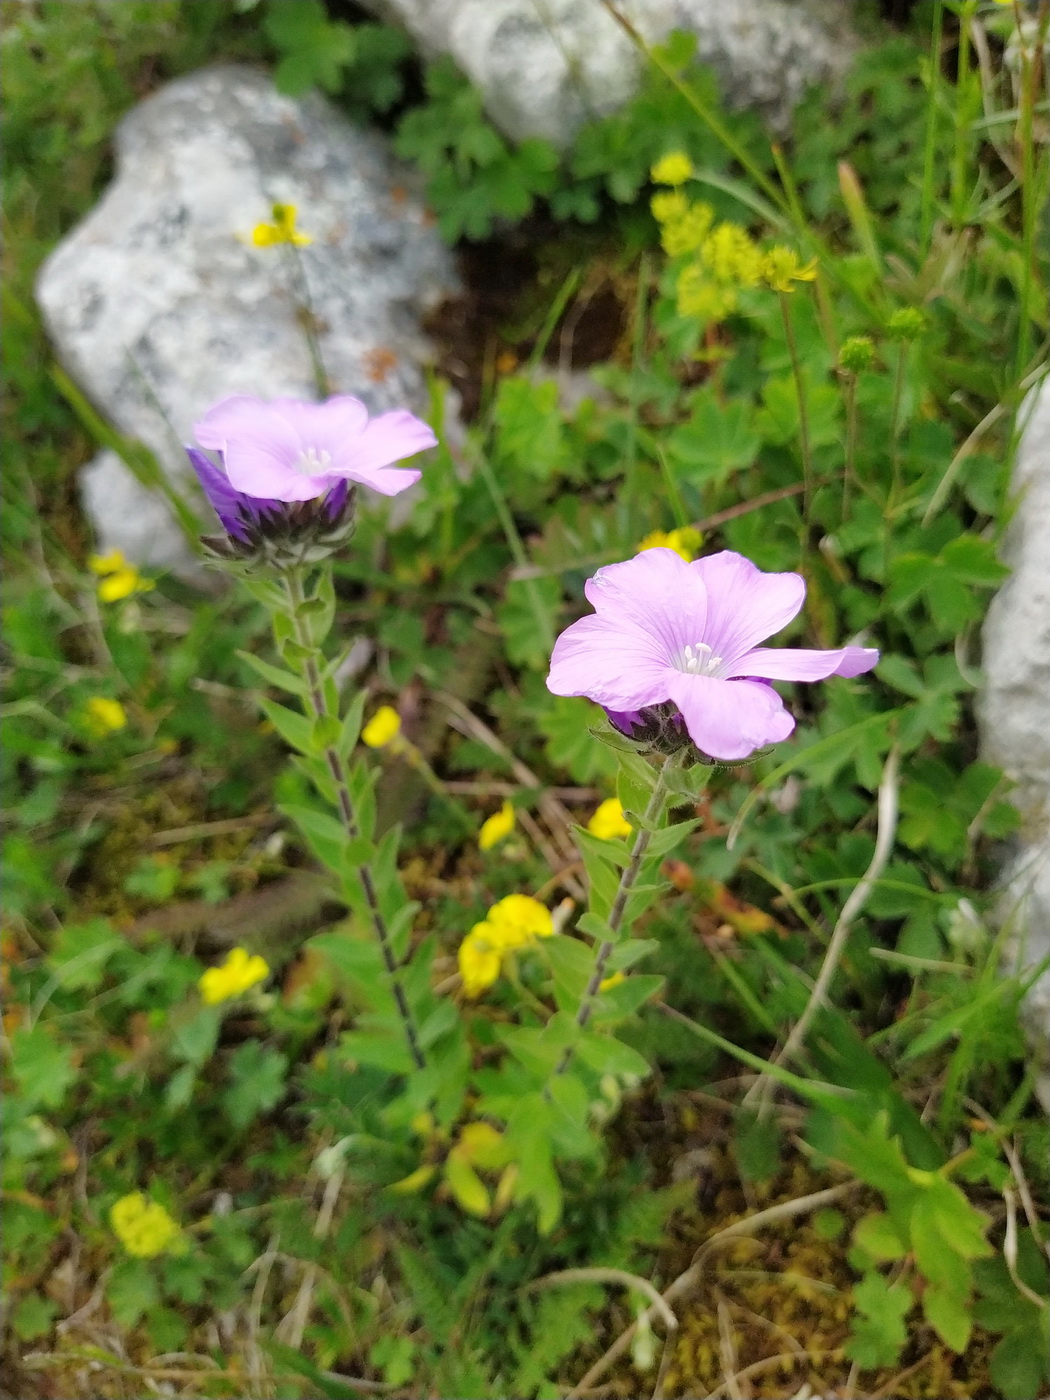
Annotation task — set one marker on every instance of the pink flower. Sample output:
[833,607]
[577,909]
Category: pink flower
[285,450]
[665,632]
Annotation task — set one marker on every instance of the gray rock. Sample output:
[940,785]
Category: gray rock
[1014,708]
[547,66]
[159,305]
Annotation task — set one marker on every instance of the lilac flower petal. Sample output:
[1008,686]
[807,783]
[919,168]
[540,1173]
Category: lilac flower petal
[388,481]
[387,439]
[730,719]
[616,665]
[658,592]
[260,446]
[797,664]
[744,605]
[856,660]
[328,426]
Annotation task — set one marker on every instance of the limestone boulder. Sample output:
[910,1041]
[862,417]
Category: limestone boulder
[545,67]
[1014,708]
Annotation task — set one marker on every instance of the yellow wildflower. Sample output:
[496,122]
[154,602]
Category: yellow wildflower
[672,169]
[781,269]
[609,982]
[143,1227]
[732,256]
[282,230]
[479,960]
[382,728]
[513,923]
[700,296]
[105,716]
[685,541]
[119,579]
[518,919]
[683,226]
[496,827]
[233,977]
[608,822]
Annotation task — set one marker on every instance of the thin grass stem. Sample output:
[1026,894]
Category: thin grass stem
[929,174]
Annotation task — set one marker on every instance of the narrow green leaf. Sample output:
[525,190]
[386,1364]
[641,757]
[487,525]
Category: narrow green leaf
[275,675]
[295,730]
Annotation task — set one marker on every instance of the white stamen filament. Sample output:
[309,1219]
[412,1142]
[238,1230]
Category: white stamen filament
[313,463]
[700,660]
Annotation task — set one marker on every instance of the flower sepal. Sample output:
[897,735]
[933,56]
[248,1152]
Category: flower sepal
[290,535]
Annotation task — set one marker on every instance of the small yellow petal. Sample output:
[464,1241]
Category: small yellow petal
[265,235]
[479,960]
[685,541]
[122,583]
[106,563]
[384,726]
[608,822]
[496,827]
[105,716]
[614,981]
[233,977]
[518,918]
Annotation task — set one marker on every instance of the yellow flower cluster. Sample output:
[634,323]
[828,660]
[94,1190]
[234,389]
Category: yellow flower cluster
[510,926]
[233,977]
[143,1227]
[724,258]
[496,827]
[608,822]
[282,230]
[685,541]
[382,729]
[118,579]
[104,716]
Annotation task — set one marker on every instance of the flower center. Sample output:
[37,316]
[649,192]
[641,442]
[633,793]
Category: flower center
[313,463]
[700,660]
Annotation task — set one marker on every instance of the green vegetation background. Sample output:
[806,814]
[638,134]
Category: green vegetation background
[134,859]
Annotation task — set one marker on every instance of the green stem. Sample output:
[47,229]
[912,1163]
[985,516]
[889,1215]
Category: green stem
[930,153]
[630,476]
[803,413]
[681,515]
[895,425]
[317,703]
[962,116]
[517,549]
[308,321]
[628,876]
[851,441]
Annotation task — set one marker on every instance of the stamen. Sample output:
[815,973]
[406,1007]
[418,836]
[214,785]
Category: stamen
[700,660]
[313,463]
